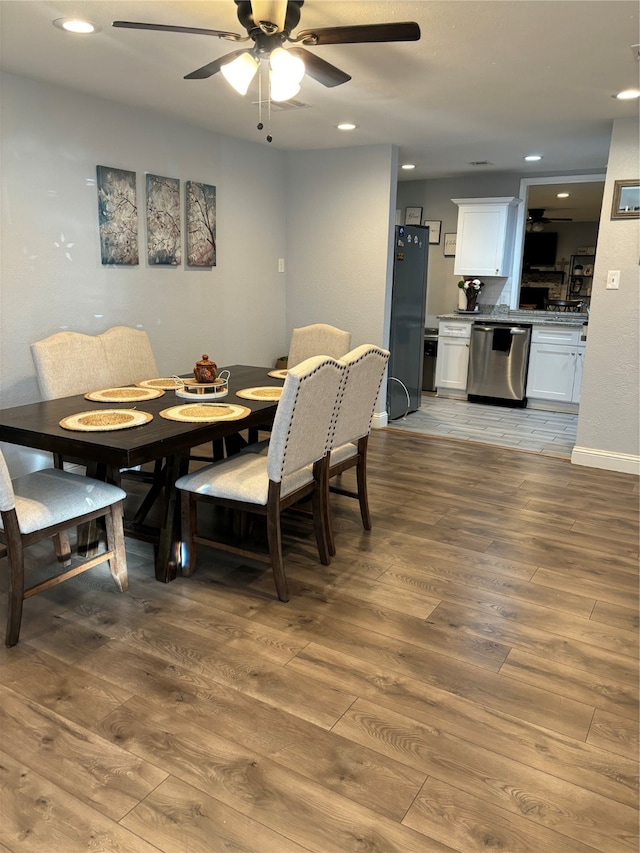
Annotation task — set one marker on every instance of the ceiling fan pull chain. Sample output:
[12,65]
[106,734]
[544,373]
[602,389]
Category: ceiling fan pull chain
[260,125]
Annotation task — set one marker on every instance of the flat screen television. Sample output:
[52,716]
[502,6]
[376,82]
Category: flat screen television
[539,249]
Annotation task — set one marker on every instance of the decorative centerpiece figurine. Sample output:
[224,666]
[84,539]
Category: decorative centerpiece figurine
[471,288]
[205,370]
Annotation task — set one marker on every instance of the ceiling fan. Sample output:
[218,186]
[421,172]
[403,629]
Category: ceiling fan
[268,25]
[536,220]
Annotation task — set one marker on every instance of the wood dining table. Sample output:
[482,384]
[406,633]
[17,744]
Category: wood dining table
[37,425]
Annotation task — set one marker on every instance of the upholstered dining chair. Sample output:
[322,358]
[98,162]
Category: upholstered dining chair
[129,355]
[307,341]
[38,506]
[365,366]
[266,484]
[317,339]
[70,363]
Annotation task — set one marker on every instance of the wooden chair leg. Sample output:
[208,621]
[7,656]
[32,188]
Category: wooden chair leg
[15,598]
[321,512]
[62,547]
[188,527]
[361,474]
[115,542]
[274,536]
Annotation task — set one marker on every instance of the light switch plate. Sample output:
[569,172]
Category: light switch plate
[280,264]
[613,279]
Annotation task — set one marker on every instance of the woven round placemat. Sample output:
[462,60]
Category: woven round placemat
[103,420]
[166,383]
[194,413]
[265,393]
[278,374]
[124,395]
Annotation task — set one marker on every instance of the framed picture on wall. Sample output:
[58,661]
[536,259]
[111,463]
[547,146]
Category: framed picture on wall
[450,245]
[626,200]
[412,215]
[434,226]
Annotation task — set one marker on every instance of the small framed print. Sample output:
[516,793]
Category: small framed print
[450,245]
[412,215]
[434,226]
[626,200]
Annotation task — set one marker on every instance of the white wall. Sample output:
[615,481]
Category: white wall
[50,268]
[609,422]
[340,220]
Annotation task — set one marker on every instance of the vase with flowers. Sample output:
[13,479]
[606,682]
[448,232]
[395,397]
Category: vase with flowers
[471,288]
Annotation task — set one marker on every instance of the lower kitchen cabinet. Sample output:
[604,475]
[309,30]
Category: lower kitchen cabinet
[555,365]
[452,365]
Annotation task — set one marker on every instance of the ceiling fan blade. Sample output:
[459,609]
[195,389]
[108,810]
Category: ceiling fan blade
[401,31]
[213,67]
[320,69]
[169,28]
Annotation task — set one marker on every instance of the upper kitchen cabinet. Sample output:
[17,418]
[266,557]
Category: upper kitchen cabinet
[484,243]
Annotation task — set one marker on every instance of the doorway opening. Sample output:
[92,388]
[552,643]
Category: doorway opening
[582,209]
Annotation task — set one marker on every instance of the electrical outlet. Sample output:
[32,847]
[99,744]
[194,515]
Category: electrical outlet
[280,264]
[613,279]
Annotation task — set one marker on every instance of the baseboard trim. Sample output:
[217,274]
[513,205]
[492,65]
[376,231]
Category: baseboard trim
[626,463]
[380,420]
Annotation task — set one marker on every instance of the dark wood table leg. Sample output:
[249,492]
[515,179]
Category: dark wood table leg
[168,553]
[89,532]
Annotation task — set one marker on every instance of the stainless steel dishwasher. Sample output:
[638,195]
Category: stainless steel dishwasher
[498,363]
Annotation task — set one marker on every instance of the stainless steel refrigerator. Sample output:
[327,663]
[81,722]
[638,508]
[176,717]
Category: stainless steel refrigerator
[408,305]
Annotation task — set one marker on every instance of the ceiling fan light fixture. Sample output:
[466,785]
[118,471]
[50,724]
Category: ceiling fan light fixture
[537,226]
[240,72]
[286,73]
[269,15]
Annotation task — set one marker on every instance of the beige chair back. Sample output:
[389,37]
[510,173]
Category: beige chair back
[317,339]
[129,355]
[365,366]
[303,423]
[69,363]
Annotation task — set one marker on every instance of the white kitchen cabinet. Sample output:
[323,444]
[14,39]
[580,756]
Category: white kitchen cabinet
[484,241]
[555,365]
[452,364]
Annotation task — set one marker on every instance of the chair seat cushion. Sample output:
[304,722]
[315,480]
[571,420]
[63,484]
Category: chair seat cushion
[340,454]
[51,496]
[241,478]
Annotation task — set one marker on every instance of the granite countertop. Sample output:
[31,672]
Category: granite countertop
[536,318]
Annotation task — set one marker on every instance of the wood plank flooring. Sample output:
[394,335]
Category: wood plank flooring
[547,433]
[462,678]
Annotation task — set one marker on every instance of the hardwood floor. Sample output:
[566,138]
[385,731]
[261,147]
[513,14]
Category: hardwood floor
[463,678]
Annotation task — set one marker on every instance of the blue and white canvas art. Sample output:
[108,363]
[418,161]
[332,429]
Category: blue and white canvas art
[164,240]
[117,216]
[201,225]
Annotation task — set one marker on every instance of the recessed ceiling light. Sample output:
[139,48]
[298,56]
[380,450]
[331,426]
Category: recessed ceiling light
[408,166]
[532,158]
[562,195]
[75,25]
[346,125]
[628,95]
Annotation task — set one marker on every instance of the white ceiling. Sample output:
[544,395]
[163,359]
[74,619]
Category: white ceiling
[489,80]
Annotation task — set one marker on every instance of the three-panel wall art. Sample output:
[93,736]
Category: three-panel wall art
[118,220]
